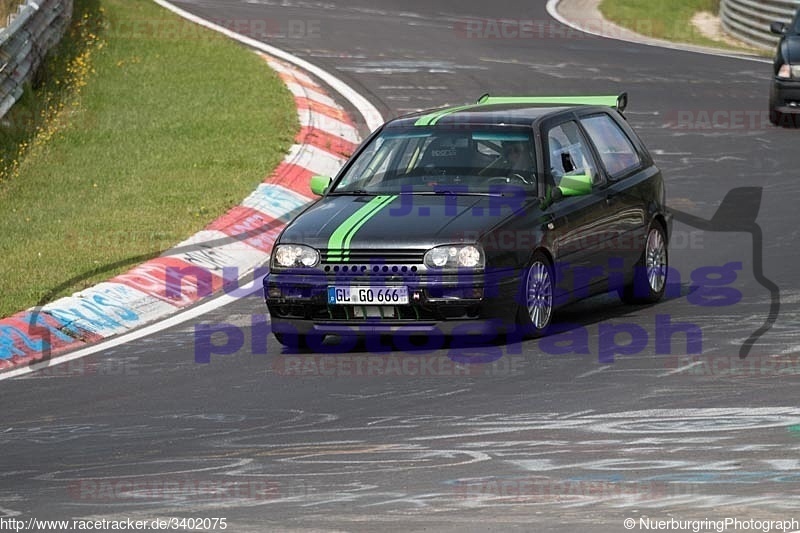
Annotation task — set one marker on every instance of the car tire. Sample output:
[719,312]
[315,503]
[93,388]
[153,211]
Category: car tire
[650,272]
[537,297]
[774,115]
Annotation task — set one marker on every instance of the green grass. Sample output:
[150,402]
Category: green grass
[135,136]
[669,20]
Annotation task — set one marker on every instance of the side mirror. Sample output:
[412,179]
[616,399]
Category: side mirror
[553,195]
[579,185]
[320,184]
[778,28]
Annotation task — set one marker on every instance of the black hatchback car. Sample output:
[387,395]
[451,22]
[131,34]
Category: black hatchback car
[784,97]
[477,219]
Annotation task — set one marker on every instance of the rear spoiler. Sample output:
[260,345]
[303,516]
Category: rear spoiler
[619,102]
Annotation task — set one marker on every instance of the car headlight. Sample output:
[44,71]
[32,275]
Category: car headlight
[789,72]
[455,256]
[295,255]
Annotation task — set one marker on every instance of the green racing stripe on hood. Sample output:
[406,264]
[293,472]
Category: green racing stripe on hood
[339,241]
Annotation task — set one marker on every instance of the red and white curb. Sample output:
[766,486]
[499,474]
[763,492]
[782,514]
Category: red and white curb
[226,251]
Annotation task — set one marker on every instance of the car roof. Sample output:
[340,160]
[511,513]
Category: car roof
[513,110]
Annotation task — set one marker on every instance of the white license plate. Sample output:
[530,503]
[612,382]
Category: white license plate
[368,295]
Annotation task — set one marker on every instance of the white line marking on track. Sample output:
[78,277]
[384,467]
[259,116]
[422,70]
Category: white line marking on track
[680,369]
[579,413]
[592,372]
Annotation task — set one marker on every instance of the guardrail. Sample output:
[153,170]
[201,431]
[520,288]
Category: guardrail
[749,20]
[29,35]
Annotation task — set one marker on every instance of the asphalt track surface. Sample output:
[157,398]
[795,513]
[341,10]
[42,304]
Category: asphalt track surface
[536,441]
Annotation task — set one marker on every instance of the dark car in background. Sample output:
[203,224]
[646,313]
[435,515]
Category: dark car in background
[477,219]
[784,97]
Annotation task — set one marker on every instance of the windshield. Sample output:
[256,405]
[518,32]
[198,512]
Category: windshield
[441,161]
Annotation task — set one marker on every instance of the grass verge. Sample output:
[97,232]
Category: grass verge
[671,21]
[140,130]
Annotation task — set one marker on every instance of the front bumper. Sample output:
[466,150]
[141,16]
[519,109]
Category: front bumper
[452,304]
[785,96]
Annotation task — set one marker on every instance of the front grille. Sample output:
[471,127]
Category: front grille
[369,270]
[372,257]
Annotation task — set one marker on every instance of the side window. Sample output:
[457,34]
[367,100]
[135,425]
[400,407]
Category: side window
[616,150]
[568,153]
